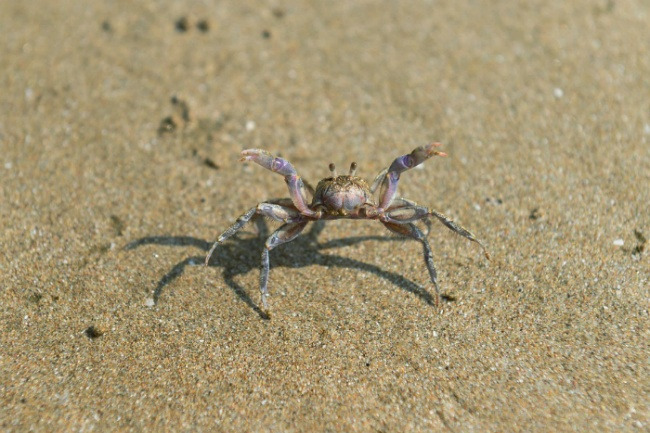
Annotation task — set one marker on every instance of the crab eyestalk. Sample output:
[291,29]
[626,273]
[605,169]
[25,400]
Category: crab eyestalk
[332,168]
[353,169]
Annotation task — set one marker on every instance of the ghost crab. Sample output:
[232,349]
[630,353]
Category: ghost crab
[342,196]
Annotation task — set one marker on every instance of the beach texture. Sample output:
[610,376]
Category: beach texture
[121,125]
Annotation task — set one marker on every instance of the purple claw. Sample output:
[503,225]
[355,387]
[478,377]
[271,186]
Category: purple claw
[399,166]
[423,153]
[268,161]
[415,158]
[283,167]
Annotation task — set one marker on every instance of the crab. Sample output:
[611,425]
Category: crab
[343,196]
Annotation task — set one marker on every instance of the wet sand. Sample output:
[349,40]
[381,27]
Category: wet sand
[120,131]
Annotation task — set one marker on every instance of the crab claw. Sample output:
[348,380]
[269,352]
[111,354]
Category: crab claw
[425,152]
[415,158]
[282,166]
[268,161]
[390,177]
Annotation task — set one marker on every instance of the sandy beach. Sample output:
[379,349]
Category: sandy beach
[121,125]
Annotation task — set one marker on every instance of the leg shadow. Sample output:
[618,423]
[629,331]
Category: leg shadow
[241,254]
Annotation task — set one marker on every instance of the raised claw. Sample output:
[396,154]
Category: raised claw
[390,177]
[268,161]
[282,166]
[256,155]
[415,158]
[427,151]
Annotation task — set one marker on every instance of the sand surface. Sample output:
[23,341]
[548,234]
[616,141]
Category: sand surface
[121,125]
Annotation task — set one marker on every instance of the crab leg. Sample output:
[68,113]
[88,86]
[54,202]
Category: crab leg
[451,225]
[283,167]
[378,180]
[409,214]
[271,210]
[401,202]
[410,230]
[399,166]
[284,234]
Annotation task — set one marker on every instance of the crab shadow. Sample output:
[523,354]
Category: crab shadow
[241,254]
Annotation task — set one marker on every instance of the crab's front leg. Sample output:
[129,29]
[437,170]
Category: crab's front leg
[274,211]
[283,167]
[399,166]
[286,233]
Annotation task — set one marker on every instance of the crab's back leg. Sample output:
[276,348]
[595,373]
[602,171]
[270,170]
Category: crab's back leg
[284,234]
[275,211]
[399,166]
[410,230]
[404,203]
[450,224]
[282,166]
[409,214]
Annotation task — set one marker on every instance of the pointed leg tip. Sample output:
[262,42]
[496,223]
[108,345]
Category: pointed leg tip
[436,296]
[265,312]
[264,309]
